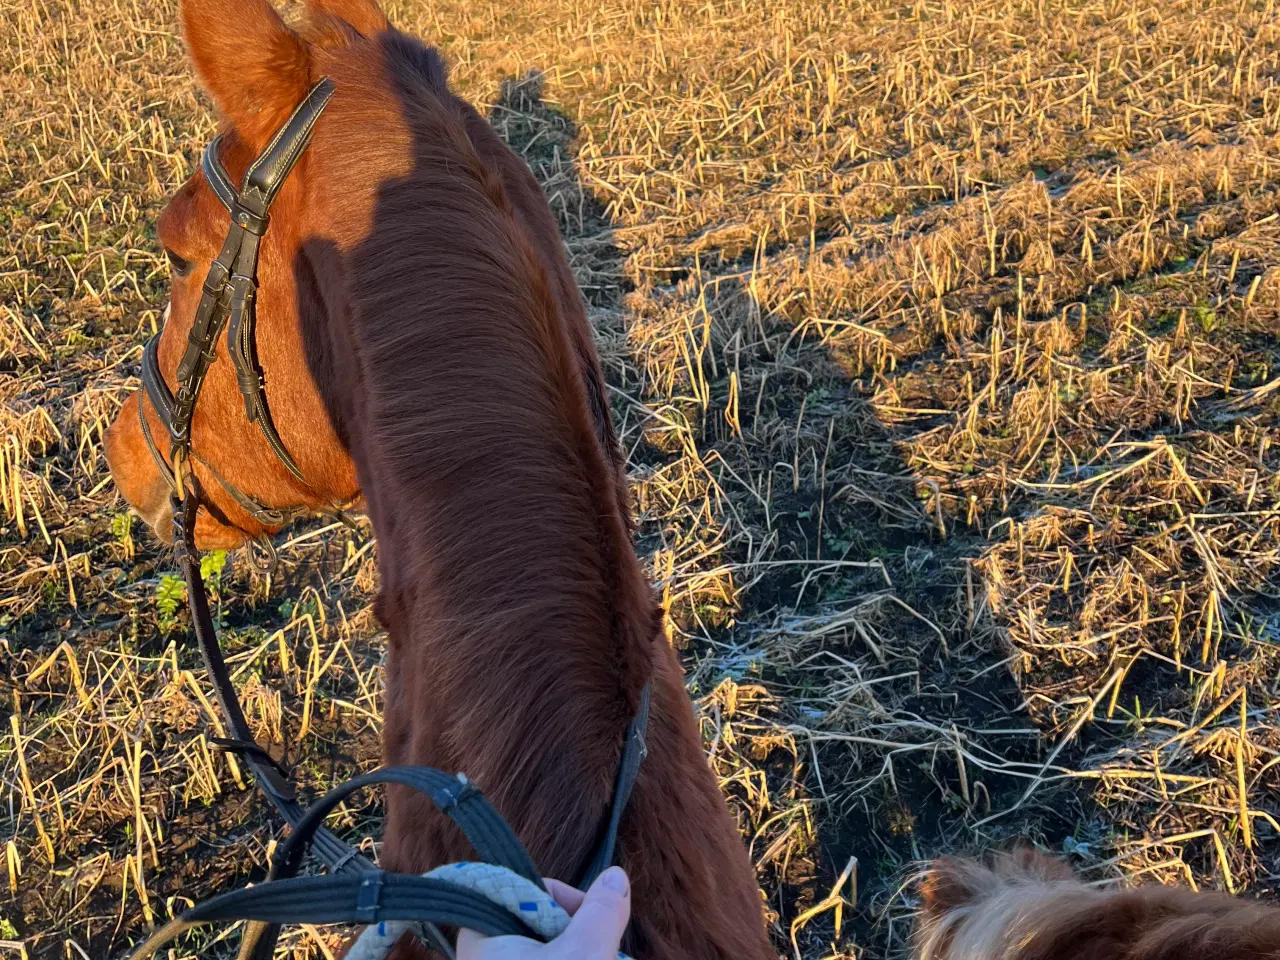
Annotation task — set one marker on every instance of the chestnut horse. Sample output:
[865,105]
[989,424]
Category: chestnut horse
[425,346]
[1028,906]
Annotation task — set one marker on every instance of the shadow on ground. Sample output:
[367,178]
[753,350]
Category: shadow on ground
[860,622]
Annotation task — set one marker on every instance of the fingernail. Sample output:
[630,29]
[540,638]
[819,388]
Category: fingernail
[615,878]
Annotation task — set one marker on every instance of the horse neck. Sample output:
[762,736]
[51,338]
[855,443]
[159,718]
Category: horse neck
[521,627]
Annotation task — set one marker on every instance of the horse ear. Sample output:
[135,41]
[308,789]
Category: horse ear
[950,883]
[364,16]
[250,62]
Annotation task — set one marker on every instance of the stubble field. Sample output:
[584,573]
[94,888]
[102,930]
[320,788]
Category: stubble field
[943,342]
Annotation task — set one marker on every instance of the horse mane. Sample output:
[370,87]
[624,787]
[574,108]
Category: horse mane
[523,598]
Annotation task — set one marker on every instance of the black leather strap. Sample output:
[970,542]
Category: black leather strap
[242,347]
[230,286]
[201,350]
[367,898]
[154,387]
[268,173]
[453,795]
[153,382]
[265,515]
[228,299]
[216,173]
[157,391]
[633,753]
[267,774]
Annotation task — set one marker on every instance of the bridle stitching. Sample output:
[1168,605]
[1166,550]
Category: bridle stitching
[320,92]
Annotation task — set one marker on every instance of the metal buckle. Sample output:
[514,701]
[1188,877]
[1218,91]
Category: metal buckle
[249,221]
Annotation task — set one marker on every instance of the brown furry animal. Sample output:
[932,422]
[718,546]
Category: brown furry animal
[1029,906]
[425,346]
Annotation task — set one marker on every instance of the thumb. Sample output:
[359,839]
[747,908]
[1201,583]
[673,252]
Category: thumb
[595,933]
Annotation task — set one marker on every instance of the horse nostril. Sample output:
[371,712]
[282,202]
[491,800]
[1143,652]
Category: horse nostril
[135,475]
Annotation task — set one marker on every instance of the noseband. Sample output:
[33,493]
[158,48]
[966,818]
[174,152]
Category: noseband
[228,300]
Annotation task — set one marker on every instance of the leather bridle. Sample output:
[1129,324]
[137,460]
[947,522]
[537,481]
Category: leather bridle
[228,300]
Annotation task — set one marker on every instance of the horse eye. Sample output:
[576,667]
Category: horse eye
[179,266]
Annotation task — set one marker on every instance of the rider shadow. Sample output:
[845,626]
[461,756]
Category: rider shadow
[544,138]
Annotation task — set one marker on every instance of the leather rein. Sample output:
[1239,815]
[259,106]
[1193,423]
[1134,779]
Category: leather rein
[228,300]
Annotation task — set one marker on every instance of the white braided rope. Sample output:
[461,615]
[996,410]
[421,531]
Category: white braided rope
[521,897]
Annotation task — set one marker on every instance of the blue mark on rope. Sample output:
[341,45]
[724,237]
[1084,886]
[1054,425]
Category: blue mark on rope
[528,906]
[382,928]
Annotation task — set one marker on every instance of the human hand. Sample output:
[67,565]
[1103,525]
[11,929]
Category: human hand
[595,932]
